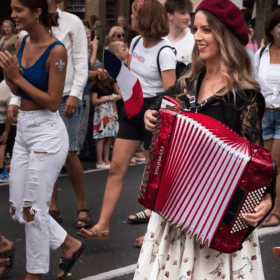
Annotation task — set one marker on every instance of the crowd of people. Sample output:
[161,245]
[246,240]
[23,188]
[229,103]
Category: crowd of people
[57,99]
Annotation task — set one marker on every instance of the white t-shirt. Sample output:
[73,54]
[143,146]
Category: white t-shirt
[184,47]
[268,77]
[144,65]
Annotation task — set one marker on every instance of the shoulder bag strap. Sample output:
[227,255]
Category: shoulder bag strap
[135,44]
[158,65]
[130,56]
[261,52]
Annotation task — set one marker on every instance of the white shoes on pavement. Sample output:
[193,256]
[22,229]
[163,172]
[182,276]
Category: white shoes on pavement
[102,166]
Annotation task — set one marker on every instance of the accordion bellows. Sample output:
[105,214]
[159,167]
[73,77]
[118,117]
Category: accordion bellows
[201,176]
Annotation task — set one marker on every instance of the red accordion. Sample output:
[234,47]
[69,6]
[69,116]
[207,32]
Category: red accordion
[201,176]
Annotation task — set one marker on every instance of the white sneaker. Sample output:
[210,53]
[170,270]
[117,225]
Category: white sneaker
[139,156]
[102,166]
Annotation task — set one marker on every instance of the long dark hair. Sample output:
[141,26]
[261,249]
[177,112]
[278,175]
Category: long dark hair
[104,85]
[47,19]
[272,20]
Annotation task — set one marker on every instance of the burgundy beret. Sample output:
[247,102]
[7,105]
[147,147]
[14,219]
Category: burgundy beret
[229,14]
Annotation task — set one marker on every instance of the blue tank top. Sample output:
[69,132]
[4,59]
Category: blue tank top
[36,74]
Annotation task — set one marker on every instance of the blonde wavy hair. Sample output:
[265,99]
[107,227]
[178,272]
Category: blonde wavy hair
[114,30]
[236,65]
[116,46]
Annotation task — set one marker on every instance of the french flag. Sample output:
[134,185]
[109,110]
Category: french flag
[129,85]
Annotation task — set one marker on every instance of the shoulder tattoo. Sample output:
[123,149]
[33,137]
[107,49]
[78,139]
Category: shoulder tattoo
[60,65]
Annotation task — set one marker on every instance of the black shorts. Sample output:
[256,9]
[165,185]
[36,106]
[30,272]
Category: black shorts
[134,128]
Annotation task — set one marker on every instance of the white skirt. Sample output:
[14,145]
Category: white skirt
[169,254]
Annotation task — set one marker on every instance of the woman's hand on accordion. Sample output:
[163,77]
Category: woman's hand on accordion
[150,118]
[260,211]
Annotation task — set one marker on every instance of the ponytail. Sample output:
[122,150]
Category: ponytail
[52,20]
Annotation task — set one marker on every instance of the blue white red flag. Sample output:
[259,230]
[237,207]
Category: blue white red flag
[129,85]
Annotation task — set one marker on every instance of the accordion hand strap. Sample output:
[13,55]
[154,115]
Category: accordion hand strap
[192,89]
[192,92]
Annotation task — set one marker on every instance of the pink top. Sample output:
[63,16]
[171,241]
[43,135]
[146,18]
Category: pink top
[253,46]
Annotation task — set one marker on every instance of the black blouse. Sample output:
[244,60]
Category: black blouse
[243,115]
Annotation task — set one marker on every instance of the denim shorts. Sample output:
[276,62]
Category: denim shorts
[271,124]
[72,124]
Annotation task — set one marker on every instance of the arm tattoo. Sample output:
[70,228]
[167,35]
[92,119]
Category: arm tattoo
[60,65]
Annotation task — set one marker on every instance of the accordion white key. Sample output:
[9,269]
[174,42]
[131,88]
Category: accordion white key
[201,176]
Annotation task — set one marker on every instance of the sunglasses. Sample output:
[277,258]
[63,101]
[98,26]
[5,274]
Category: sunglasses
[119,35]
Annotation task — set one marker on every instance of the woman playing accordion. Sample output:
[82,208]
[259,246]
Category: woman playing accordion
[219,84]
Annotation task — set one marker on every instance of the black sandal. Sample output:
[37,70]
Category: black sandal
[7,264]
[140,217]
[85,220]
[66,264]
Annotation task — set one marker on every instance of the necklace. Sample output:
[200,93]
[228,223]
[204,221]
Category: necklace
[275,49]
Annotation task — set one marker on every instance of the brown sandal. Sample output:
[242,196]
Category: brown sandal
[86,220]
[8,254]
[93,234]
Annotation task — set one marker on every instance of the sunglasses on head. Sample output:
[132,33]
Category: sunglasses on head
[119,35]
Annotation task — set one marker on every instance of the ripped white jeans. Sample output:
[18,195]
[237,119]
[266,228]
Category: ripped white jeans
[39,153]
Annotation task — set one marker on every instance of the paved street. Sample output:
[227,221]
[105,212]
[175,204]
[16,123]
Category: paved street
[115,258]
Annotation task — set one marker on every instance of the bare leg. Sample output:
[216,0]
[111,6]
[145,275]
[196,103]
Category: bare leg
[30,276]
[106,149]
[2,155]
[273,145]
[148,212]
[69,247]
[99,150]
[122,154]
[76,176]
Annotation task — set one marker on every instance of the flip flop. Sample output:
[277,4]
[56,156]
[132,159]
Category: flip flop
[8,264]
[141,217]
[273,224]
[95,235]
[66,264]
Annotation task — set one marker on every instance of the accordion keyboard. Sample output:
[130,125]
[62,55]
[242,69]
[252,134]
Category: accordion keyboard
[252,200]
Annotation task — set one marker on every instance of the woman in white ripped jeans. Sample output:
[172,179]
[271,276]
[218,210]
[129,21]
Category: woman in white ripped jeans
[41,146]
[37,160]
